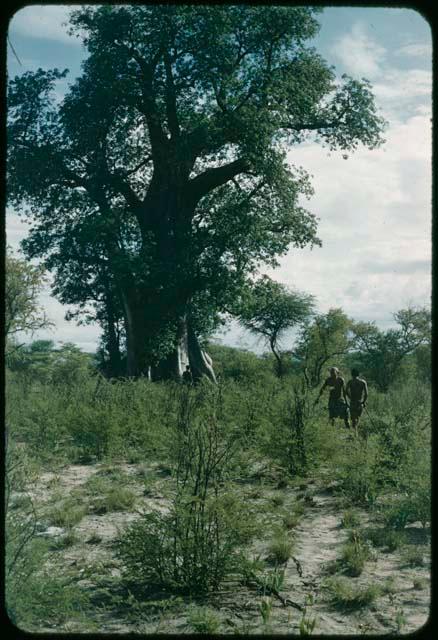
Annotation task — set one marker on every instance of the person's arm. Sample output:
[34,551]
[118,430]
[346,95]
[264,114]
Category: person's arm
[365,393]
[348,390]
[343,390]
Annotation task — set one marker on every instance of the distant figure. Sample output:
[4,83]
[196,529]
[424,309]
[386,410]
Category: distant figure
[357,391]
[337,404]
[187,376]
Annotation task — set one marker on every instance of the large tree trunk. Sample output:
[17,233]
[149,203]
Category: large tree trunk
[136,357]
[200,362]
[187,352]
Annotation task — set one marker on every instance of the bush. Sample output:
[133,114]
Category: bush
[197,543]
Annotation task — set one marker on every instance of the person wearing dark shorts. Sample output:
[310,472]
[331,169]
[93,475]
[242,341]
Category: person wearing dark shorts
[357,392]
[337,404]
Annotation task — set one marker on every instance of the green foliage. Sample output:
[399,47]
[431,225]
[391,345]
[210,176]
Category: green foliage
[23,313]
[289,436]
[116,499]
[382,353]
[34,595]
[265,608]
[345,595]
[280,548]
[413,557]
[350,519]
[203,620]
[269,309]
[328,336]
[354,555]
[196,544]
[419,584]
[210,98]
[383,537]
[66,514]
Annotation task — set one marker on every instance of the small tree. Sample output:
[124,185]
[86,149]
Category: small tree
[269,309]
[382,352]
[329,335]
[23,284]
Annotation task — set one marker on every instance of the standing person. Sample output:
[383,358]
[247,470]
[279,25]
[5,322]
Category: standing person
[357,391]
[187,376]
[337,404]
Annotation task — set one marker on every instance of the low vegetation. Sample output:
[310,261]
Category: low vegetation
[217,482]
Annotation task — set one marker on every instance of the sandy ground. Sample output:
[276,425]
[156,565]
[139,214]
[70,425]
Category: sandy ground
[318,539]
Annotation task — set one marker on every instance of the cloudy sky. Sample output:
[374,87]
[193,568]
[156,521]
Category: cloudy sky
[374,209]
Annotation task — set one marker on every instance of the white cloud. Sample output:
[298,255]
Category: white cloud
[45,22]
[403,84]
[359,53]
[415,49]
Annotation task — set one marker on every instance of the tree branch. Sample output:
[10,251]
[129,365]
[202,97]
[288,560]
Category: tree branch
[213,178]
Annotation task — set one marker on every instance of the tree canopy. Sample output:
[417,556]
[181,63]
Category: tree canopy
[269,309]
[163,169]
[23,312]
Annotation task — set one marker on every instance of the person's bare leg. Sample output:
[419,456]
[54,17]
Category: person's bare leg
[355,422]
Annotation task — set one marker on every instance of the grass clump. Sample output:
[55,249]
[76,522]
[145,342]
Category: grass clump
[354,555]
[66,514]
[291,520]
[280,548]
[116,499]
[413,557]
[65,541]
[419,584]
[204,620]
[350,519]
[385,538]
[344,595]
[278,500]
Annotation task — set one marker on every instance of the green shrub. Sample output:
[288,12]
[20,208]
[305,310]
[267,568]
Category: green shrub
[198,542]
